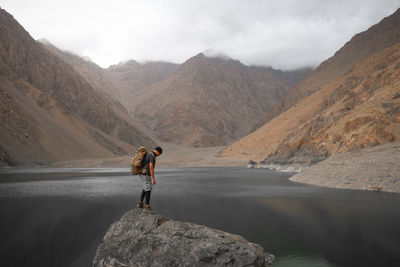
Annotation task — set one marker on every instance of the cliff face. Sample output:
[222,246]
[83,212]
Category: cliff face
[356,109]
[142,238]
[211,101]
[49,111]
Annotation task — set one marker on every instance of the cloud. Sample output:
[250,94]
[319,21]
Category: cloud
[284,34]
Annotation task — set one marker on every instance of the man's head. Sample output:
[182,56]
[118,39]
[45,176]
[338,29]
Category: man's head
[157,151]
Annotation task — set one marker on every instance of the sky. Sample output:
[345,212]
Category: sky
[284,34]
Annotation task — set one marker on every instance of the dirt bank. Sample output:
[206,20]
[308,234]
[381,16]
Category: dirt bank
[376,168]
[173,156]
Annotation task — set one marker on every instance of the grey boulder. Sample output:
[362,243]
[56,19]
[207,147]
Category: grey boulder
[144,238]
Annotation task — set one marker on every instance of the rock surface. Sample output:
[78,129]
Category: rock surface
[143,238]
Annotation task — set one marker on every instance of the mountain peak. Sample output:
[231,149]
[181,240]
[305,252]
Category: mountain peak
[214,54]
[57,51]
[200,55]
[209,54]
[199,105]
[127,64]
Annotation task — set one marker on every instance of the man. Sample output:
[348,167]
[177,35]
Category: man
[148,178]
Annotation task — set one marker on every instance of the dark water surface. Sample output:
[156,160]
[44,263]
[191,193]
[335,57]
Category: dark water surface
[57,217]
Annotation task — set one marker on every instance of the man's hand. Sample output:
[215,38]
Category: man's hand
[153,181]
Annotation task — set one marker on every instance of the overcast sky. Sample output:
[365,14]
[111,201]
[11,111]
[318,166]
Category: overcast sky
[284,34]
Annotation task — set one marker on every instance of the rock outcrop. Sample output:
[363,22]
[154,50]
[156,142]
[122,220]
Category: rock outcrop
[143,238]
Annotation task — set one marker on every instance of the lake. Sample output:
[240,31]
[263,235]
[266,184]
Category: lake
[57,217]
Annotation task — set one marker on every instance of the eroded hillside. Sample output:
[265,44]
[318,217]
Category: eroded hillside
[49,111]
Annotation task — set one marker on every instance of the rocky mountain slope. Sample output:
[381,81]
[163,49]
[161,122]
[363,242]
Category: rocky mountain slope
[363,45]
[132,79]
[95,75]
[211,101]
[346,106]
[49,111]
[165,95]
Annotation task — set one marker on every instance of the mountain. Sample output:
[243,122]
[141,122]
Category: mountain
[140,76]
[363,45]
[49,111]
[121,83]
[295,76]
[104,82]
[211,101]
[132,78]
[350,101]
[154,92]
[90,71]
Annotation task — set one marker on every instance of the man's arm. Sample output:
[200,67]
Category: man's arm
[151,165]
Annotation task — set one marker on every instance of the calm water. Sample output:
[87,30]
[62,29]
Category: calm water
[57,217]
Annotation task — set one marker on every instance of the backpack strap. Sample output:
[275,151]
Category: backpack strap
[144,170]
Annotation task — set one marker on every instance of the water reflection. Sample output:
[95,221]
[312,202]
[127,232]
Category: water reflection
[55,218]
[364,233]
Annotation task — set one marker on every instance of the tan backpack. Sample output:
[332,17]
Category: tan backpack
[137,162]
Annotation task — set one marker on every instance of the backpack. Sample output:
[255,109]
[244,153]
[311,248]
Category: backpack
[137,162]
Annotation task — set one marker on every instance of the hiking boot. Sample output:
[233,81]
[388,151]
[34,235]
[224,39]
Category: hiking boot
[140,205]
[147,207]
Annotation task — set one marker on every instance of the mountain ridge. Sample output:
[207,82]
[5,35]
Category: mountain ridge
[180,107]
[71,121]
[151,91]
[356,109]
[362,45]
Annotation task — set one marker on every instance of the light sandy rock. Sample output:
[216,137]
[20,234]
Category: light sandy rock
[376,169]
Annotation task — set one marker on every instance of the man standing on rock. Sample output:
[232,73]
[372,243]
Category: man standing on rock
[148,178]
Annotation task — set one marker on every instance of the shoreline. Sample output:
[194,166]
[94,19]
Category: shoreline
[296,168]
[372,169]
[173,156]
